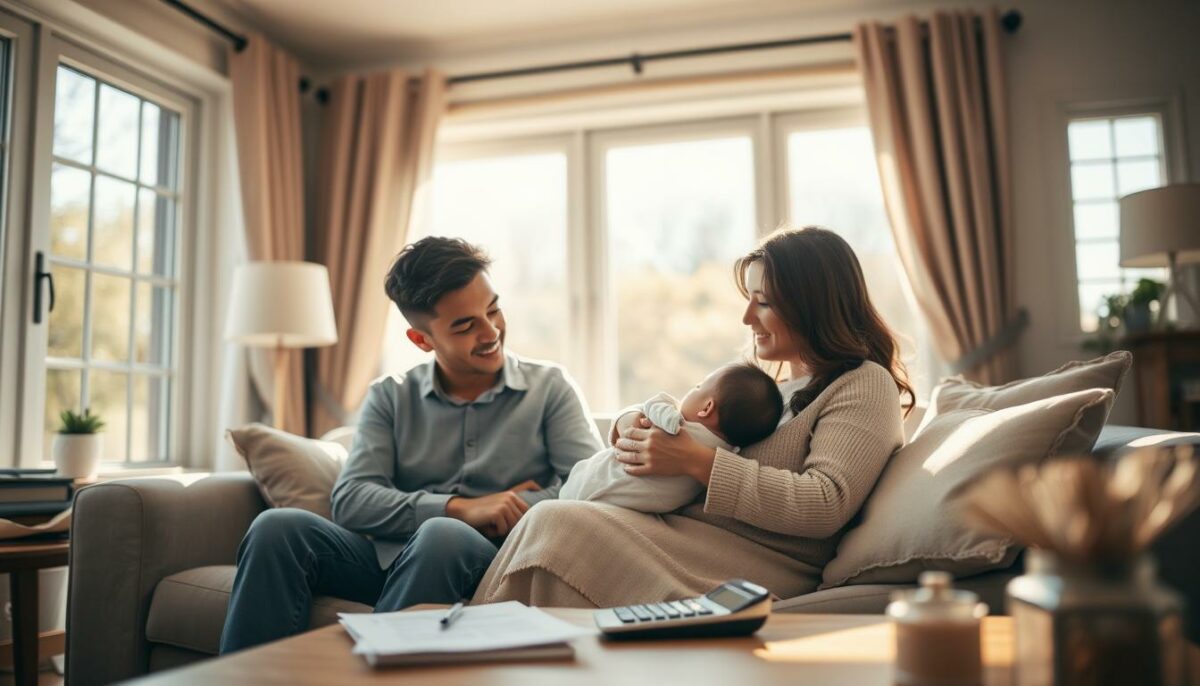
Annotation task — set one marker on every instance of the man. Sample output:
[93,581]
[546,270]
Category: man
[447,458]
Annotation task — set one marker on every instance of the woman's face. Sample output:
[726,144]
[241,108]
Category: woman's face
[773,340]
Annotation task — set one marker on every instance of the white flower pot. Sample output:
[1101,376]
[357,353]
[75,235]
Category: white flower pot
[77,455]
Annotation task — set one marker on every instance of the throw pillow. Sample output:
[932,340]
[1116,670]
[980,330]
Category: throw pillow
[291,471]
[909,523]
[956,393]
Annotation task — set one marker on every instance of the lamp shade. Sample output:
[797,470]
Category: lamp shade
[1158,222]
[285,304]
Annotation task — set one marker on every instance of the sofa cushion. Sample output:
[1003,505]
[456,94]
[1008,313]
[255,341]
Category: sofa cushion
[291,471]
[909,523]
[873,599]
[188,609]
[956,393]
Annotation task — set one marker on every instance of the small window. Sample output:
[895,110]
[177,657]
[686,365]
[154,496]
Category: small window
[1110,157]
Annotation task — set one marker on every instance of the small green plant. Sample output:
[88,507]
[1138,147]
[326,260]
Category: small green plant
[1147,291]
[75,423]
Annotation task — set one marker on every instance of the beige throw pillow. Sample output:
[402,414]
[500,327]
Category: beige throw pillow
[909,523]
[291,471]
[956,393]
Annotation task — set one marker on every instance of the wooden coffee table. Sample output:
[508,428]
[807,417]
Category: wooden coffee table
[791,649]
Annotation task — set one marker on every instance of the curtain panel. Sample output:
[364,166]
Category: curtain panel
[376,154]
[936,100]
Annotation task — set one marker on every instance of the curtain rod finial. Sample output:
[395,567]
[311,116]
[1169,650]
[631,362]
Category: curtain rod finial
[1011,21]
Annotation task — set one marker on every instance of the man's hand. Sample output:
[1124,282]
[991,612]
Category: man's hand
[492,515]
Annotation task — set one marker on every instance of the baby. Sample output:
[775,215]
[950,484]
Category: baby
[733,407]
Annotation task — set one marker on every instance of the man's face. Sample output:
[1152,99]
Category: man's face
[466,333]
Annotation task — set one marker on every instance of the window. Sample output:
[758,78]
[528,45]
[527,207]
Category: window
[1110,157]
[614,248]
[678,214]
[113,204]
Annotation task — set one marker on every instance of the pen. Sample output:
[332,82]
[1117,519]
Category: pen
[452,614]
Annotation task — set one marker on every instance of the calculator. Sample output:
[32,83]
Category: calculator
[735,608]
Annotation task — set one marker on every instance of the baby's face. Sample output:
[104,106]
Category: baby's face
[699,405]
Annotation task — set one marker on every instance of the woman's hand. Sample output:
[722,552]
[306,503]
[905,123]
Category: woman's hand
[647,450]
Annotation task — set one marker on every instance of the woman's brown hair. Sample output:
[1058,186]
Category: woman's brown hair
[814,282]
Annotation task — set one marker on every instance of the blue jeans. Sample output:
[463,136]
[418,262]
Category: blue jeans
[291,555]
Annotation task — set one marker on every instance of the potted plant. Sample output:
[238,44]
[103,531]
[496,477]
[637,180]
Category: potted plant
[77,445]
[1137,311]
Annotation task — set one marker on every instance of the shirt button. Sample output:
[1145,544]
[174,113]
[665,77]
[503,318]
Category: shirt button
[470,444]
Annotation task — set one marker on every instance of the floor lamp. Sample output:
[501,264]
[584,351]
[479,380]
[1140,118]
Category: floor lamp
[1160,227]
[281,305]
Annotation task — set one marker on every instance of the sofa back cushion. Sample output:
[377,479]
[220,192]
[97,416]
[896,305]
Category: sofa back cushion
[290,470]
[910,523]
[956,393]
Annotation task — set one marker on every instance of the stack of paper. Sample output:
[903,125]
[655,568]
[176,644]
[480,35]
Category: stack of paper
[501,631]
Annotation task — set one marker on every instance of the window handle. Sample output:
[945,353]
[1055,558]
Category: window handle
[40,273]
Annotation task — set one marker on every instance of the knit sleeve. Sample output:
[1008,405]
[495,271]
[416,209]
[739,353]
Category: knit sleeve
[855,434]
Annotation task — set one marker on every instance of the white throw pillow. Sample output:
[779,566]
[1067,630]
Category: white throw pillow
[291,471]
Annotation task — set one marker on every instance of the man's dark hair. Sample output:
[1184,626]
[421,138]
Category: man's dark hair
[426,270]
[749,404]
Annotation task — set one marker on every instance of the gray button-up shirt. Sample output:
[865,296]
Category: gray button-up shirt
[416,447]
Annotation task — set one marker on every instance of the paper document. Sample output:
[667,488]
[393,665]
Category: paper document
[480,628]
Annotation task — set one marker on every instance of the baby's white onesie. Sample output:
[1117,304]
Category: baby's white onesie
[601,478]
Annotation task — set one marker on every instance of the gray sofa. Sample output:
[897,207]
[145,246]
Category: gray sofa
[152,566]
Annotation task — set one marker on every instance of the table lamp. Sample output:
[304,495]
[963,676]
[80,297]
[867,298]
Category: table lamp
[281,305]
[1160,227]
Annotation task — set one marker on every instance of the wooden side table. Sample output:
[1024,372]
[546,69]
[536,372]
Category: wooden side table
[22,561]
[1167,364]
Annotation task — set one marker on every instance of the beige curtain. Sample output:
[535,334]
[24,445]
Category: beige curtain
[266,109]
[936,99]
[376,155]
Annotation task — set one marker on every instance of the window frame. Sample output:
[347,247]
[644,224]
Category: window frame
[1169,111]
[55,49]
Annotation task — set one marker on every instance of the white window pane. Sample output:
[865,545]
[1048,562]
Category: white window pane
[1137,176]
[155,231]
[1097,261]
[62,393]
[679,214]
[1090,139]
[515,208]
[148,419]
[65,333]
[148,168]
[1092,180]
[112,225]
[69,192]
[74,112]
[151,328]
[111,301]
[108,394]
[833,182]
[1091,302]
[1096,220]
[117,132]
[1132,275]
[1136,136]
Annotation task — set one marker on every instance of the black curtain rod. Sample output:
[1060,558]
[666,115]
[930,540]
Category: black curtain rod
[1010,20]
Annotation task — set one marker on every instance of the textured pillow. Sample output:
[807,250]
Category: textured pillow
[955,393]
[291,471]
[909,523]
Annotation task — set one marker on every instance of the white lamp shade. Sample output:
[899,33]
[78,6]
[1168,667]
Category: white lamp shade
[1160,221]
[285,304]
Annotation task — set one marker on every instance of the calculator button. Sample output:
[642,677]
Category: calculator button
[653,609]
[698,608]
[670,610]
[640,612]
[684,608]
[624,614]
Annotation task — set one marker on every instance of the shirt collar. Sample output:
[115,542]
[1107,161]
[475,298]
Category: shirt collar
[512,376]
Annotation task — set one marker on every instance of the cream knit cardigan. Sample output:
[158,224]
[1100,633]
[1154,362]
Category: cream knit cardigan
[772,515]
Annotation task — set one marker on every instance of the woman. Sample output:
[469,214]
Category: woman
[773,514]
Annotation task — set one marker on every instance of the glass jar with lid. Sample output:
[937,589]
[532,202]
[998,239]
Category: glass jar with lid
[937,633]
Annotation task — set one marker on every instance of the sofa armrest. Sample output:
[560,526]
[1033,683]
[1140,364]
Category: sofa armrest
[127,535]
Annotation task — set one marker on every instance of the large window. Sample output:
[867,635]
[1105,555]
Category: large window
[113,204]
[1110,157]
[614,248]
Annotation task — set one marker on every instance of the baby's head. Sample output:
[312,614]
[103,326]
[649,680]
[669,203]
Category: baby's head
[739,402]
